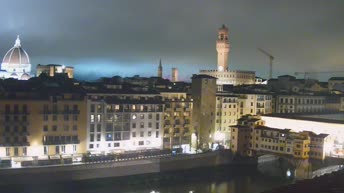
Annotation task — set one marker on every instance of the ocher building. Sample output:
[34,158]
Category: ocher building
[226,116]
[177,120]
[42,125]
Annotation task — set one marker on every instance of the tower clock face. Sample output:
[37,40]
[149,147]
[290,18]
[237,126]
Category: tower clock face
[220,68]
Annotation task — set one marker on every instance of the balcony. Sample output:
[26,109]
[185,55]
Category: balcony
[14,122]
[61,142]
[179,109]
[166,135]
[71,111]
[14,113]
[14,144]
[187,109]
[186,125]
[186,133]
[167,125]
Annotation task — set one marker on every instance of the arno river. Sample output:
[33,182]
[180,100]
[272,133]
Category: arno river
[241,179]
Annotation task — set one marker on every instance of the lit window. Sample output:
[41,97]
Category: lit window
[7,151]
[24,151]
[63,149]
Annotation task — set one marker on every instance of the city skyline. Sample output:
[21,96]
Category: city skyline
[113,38]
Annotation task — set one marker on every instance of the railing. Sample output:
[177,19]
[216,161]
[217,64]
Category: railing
[60,142]
[14,144]
[60,112]
[14,113]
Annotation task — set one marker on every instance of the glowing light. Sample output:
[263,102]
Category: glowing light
[219,136]
[288,173]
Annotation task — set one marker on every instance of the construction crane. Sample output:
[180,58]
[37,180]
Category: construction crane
[306,74]
[271,58]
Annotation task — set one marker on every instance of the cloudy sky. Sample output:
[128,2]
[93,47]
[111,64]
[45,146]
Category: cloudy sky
[127,37]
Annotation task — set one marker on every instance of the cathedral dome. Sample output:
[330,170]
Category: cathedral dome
[16,61]
[16,55]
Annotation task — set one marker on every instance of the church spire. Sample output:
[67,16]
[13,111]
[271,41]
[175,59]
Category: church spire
[160,69]
[17,44]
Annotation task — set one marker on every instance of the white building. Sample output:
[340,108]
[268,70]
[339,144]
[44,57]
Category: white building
[16,63]
[123,122]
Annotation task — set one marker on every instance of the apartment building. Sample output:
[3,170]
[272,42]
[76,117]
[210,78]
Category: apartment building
[124,122]
[254,104]
[226,115]
[251,137]
[177,120]
[49,124]
[299,103]
[242,140]
[319,145]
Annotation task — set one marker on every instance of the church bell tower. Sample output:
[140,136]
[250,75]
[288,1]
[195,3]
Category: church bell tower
[160,69]
[222,48]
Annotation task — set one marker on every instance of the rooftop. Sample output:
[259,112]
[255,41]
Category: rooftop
[201,76]
[309,117]
[336,78]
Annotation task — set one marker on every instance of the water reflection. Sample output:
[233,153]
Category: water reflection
[298,169]
[221,180]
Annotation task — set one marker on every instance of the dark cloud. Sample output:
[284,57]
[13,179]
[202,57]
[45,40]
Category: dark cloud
[128,37]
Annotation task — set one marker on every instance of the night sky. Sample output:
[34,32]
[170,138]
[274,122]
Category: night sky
[127,37]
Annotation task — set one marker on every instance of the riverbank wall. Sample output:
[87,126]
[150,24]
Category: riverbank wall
[52,174]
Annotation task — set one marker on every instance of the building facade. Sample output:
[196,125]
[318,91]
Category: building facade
[299,104]
[52,69]
[123,122]
[203,92]
[177,120]
[226,116]
[251,137]
[36,126]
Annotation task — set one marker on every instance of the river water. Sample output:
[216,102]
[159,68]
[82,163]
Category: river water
[241,179]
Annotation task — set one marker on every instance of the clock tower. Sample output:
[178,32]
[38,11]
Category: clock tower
[222,48]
